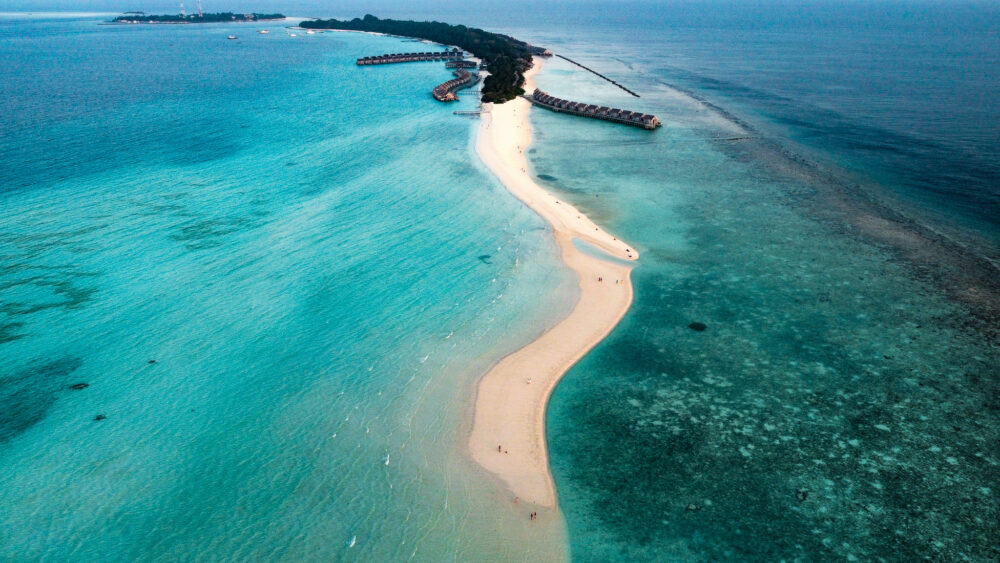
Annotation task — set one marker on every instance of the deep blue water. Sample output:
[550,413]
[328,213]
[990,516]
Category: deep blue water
[824,196]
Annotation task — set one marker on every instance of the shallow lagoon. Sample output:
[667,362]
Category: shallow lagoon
[274,288]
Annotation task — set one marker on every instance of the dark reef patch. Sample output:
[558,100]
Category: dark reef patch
[202,234]
[9,332]
[27,395]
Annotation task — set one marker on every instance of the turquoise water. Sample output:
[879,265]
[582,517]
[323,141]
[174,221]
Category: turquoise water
[320,269]
[279,276]
[839,404]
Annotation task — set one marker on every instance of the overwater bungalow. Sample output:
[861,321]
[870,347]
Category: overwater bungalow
[445,92]
[450,55]
[635,119]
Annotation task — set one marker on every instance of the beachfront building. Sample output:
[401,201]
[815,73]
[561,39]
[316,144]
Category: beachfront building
[539,51]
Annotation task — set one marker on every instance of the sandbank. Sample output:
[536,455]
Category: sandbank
[508,430]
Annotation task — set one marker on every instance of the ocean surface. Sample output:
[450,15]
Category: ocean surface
[320,268]
[279,277]
[823,197]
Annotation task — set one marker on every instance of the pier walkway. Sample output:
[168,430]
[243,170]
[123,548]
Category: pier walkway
[452,55]
[635,119]
[598,74]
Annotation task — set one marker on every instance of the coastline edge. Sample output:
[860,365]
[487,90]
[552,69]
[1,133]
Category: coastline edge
[508,429]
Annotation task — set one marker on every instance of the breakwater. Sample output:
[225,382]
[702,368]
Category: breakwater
[626,117]
[588,69]
[445,92]
[451,55]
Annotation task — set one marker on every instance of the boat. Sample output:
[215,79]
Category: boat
[232,37]
[310,32]
[294,35]
[263,31]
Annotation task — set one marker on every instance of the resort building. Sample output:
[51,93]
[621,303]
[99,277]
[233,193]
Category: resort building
[635,119]
[539,51]
[447,55]
[445,92]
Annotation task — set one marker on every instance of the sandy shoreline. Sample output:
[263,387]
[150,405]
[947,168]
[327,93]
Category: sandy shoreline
[512,397]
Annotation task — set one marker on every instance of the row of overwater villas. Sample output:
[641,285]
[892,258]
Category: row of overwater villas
[445,92]
[633,118]
[452,55]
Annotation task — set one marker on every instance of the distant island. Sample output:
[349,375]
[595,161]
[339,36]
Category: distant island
[507,58]
[221,17]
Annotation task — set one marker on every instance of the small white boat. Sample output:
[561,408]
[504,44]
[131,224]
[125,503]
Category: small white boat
[232,37]
[294,35]
[263,31]
[310,32]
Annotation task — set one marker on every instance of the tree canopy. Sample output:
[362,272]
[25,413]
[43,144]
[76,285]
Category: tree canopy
[507,58]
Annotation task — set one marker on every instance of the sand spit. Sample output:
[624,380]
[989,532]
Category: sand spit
[508,434]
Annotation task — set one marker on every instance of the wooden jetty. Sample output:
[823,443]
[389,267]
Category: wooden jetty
[452,55]
[635,119]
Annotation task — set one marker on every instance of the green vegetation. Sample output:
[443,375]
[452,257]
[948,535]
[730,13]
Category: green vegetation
[507,58]
[195,18]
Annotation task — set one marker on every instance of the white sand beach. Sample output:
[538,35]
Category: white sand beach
[508,434]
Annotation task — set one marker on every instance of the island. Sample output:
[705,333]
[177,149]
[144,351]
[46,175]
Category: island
[506,58]
[221,17]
